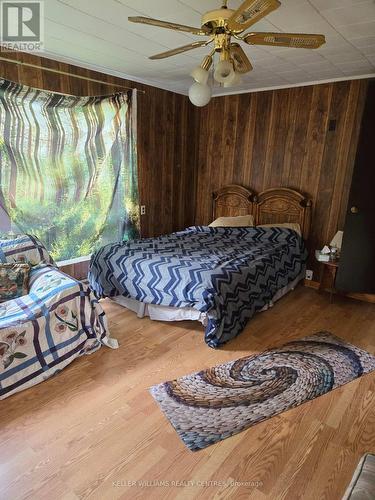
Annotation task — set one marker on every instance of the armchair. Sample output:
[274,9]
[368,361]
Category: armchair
[57,321]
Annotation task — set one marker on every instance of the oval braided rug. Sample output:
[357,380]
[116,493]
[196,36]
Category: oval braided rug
[213,404]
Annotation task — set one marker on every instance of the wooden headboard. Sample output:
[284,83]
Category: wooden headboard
[269,207]
[232,201]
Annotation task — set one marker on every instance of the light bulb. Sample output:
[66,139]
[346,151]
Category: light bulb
[235,80]
[199,94]
[200,75]
[223,71]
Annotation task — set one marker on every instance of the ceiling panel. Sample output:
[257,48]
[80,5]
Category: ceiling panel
[96,34]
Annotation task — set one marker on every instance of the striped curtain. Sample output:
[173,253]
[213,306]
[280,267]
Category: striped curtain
[68,168]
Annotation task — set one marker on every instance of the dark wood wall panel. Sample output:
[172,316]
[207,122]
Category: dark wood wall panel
[283,138]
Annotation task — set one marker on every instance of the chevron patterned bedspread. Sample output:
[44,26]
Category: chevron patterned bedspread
[229,273]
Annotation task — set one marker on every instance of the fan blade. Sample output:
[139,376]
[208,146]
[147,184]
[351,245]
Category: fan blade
[241,61]
[179,50]
[297,40]
[168,25]
[250,12]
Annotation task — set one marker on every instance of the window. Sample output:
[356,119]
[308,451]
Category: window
[68,169]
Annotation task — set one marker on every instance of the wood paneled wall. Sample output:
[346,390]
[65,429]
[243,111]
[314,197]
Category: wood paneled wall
[303,138]
[165,150]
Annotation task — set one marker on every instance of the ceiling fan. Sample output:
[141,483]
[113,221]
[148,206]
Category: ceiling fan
[221,26]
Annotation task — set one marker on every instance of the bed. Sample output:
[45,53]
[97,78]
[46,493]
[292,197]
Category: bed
[220,276]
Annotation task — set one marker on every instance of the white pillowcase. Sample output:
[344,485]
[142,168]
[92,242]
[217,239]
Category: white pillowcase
[240,221]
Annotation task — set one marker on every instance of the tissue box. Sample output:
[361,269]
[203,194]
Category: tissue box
[322,257]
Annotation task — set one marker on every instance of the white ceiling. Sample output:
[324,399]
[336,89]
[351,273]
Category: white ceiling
[96,34]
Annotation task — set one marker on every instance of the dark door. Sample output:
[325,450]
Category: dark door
[356,272]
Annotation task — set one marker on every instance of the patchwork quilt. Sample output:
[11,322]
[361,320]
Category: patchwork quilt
[59,320]
[228,273]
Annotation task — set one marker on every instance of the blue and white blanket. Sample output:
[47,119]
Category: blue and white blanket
[228,273]
[59,320]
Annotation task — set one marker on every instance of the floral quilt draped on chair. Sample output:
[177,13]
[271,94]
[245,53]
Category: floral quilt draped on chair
[57,321]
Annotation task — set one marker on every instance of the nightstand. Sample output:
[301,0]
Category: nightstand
[327,277]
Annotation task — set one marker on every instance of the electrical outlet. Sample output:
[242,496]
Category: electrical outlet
[143,210]
[309,274]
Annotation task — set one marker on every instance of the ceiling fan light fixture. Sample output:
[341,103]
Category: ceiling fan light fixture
[224,71]
[201,73]
[199,94]
[235,80]
[221,26]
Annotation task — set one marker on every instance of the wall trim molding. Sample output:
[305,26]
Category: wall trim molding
[364,297]
[295,85]
[104,70]
[160,85]
[311,284]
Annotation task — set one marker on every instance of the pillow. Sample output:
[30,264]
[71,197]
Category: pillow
[14,281]
[289,225]
[240,221]
[24,248]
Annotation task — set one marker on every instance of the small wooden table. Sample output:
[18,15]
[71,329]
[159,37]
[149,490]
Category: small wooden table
[328,271]
[327,278]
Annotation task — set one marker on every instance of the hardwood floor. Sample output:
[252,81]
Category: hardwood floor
[93,430]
